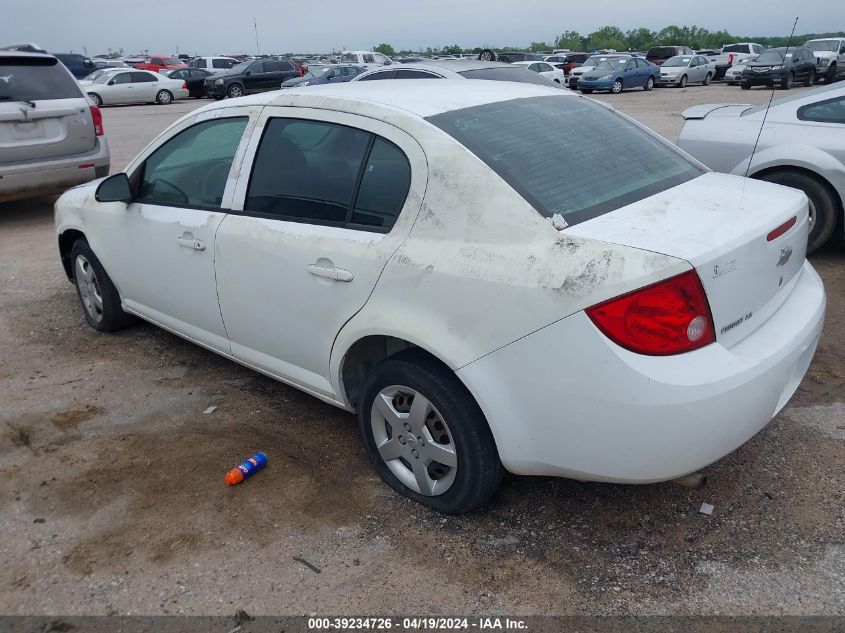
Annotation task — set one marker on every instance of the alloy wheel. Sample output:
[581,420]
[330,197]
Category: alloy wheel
[89,288]
[414,440]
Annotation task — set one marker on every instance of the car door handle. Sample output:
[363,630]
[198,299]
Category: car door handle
[338,274]
[189,241]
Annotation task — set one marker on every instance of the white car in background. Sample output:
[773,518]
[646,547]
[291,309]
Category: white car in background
[683,69]
[430,271]
[801,145]
[124,86]
[215,65]
[590,65]
[545,69]
[830,57]
[733,75]
[367,59]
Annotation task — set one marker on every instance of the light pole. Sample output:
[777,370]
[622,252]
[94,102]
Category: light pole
[255,26]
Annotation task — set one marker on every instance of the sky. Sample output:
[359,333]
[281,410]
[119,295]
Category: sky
[208,27]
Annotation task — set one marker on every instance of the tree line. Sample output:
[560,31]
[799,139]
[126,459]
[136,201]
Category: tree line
[612,37]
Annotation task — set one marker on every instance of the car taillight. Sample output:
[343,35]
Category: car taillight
[669,317]
[184,85]
[301,71]
[731,59]
[97,118]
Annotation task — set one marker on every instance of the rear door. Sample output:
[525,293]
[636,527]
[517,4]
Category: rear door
[323,201]
[144,86]
[43,113]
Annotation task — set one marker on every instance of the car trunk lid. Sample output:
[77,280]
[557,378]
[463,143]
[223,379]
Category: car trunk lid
[715,109]
[53,128]
[725,227]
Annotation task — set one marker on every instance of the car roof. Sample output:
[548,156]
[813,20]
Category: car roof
[419,97]
[26,55]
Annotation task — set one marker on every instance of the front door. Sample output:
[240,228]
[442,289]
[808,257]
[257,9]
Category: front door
[323,202]
[160,247]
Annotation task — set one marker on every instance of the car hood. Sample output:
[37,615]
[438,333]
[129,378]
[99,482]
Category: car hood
[597,74]
[767,64]
[290,83]
[672,70]
[825,54]
[715,109]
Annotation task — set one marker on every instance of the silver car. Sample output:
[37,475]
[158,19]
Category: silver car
[458,69]
[683,69]
[51,137]
[802,145]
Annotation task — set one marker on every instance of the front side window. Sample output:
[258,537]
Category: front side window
[414,74]
[191,169]
[610,163]
[123,78]
[221,63]
[830,111]
[256,68]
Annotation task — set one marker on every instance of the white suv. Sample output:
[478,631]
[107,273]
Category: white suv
[367,59]
[215,65]
[830,57]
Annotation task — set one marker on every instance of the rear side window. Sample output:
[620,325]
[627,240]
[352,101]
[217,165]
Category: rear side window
[610,163]
[143,78]
[508,73]
[382,75]
[830,111]
[200,63]
[414,74]
[384,186]
[191,168]
[35,79]
[323,173]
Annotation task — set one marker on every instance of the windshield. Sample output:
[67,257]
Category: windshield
[612,64]
[349,57]
[771,56]
[823,45]
[240,68]
[34,79]
[676,61]
[97,73]
[736,48]
[519,74]
[528,143]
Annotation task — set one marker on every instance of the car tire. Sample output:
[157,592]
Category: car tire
[707,80]
[452,426]
[163,97]
[586,91]
[97,99]
[649,84]
[811,78]
[235,91]
[557,81]
[786,84]
[99,298]
[683,82]
[823,208]
[745,85]
[830,76]
[487,55]
[617,87]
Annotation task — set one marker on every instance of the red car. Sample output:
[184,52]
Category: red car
[157,64]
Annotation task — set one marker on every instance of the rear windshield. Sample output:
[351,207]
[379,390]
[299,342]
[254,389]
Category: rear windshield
[608,164]
[737,48]
[508,73]
[35,79]
[663,51]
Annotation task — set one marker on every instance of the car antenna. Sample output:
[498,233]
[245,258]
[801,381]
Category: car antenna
[769,105]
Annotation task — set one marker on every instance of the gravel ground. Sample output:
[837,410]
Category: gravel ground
[112,497]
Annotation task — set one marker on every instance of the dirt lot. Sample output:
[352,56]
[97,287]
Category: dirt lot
[112,497]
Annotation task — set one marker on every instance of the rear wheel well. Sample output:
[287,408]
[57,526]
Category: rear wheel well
[837,200]
[66,241]
[368,352]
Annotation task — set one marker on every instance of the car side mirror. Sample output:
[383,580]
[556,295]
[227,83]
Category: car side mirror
[111,82]
[114,189]
[247,73]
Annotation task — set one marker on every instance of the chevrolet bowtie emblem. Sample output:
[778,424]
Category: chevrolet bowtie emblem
[785,254]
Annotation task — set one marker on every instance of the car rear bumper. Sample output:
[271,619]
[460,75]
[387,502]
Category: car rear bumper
[44,178]
[566,401]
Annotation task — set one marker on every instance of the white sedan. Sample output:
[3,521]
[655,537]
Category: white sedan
[683,69]
[545,69]
[413,256]
[122,86]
